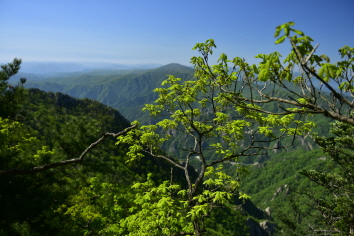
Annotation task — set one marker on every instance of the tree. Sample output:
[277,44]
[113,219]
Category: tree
[11,97]
[12,100]
[11,151]
[222,115]
[337,213]
[238,107]
[53,132]
[320,88]
[333,206]
[203,112]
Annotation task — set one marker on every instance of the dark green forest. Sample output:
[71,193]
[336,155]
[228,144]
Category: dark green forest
[224,149]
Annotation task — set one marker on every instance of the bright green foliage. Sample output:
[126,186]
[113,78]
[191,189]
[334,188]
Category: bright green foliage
[222,115]
[17,142]
[66,200]
[166,209]
[156,211]
[225,110]
[257,83]
[309,95]
[63,200]
[99,206]
[213,122]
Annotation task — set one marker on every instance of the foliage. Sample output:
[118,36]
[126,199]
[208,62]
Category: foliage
[216,104]
[309,95]
[307,90]
[52,133]
[11,97]
[204,112]
[222,116]
[333,209]
[62,201]
[155,212]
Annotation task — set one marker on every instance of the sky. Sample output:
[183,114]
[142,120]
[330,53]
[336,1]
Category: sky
[164,31]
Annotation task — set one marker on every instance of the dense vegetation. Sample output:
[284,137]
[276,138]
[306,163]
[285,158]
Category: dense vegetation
[184,172]
[81,197]
[56,128]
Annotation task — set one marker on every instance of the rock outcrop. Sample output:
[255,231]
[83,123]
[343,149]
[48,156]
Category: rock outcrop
[264,228]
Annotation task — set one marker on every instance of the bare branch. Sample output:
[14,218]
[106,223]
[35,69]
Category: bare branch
[314,109]
[45,167]
[309,56]
[308,70]
[165,158]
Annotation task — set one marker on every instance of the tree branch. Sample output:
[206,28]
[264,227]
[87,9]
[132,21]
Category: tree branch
[45,167]
[313,108]
[304,66]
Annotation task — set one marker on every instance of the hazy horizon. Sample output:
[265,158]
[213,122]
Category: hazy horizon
[163,32]
[37,67]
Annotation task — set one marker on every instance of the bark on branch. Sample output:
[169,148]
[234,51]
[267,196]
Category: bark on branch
[313,108]
[45,167]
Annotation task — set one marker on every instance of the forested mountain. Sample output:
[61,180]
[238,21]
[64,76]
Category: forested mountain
[59,127]
[130,90]
[69,200]
[220,136]
[50,68]
[124,90]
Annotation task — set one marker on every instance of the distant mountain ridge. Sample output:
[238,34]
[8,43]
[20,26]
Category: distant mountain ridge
[125,90]
[64,67]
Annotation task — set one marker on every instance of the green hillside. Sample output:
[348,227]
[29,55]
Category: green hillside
[62,200]
[61,128]
[273,181]
[124,90]
[229,149]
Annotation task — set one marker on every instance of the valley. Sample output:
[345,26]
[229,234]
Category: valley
[129,90]
[205,151]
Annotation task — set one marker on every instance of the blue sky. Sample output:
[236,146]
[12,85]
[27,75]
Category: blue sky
[152,31]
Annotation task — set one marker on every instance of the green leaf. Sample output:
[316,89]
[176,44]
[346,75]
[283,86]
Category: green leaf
[277,31]
[281,39]
[298,32]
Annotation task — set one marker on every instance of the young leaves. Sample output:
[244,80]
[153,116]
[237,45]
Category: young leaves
[286,28]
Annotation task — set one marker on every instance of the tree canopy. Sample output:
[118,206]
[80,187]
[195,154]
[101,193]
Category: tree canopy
[221,108]
[12,101]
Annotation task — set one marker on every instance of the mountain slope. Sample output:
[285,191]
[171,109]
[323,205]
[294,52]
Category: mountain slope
[127,92]
[59,127]
[59,201]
